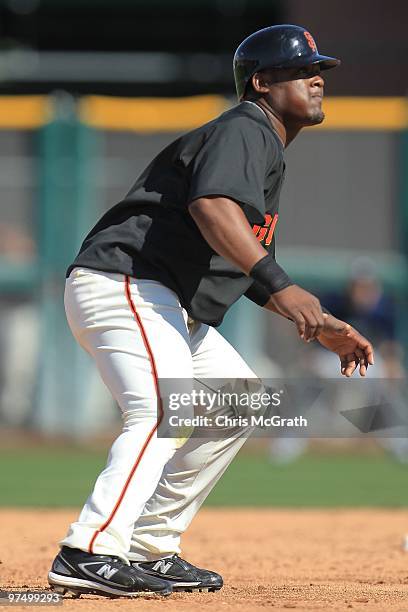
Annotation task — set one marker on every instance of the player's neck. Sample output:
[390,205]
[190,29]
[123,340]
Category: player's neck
[286,135]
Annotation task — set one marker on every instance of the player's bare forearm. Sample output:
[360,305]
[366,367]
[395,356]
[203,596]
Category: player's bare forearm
[224,226]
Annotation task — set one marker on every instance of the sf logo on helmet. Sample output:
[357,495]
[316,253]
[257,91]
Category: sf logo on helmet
[310,41]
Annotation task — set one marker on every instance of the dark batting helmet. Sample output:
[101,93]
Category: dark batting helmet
[280,46]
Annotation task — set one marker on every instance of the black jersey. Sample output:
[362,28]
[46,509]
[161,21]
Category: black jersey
[151,235]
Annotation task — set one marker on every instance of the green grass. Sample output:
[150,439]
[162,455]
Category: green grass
[64,477]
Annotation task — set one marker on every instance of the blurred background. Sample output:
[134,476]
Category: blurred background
[90,91]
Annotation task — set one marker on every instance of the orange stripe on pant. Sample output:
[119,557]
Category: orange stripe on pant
[151,434]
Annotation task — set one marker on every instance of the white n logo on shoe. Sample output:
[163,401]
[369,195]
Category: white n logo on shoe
[162,566]
[106,571]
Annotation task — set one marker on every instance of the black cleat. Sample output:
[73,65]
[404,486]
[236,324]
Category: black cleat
[181,574]
[78,572]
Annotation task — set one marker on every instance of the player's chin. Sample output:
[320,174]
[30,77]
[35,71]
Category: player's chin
[315,117]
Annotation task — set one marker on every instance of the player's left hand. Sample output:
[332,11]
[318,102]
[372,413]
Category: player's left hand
[353,349]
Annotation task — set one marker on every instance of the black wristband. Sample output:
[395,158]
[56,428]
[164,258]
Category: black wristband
[267,272]
[257,294]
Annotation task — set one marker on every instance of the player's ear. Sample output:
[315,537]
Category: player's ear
[260,82]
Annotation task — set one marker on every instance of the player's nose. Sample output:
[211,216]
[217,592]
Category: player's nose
[317,82]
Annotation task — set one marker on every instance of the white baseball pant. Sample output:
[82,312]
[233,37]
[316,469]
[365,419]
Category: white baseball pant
[151,488]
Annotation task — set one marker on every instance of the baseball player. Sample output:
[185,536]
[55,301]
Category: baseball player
[152,281]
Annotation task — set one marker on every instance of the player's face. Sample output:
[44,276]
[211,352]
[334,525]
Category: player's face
[296,94]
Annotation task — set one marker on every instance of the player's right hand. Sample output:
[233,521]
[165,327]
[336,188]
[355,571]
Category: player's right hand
[302,308]
[353,349]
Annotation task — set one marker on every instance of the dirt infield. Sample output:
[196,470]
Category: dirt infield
[304,560]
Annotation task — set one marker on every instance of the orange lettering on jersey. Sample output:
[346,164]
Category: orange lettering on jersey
[262,234]
[271,230]
[267,229]
[310,41]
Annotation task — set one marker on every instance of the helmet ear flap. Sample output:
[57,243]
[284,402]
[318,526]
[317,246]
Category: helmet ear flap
[250,92]
[243,71]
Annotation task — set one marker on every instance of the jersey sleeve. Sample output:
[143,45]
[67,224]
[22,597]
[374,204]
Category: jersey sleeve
[257,294]
[232,162]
